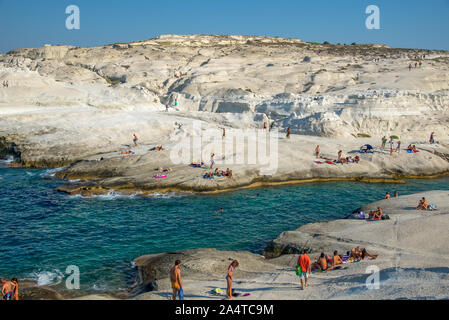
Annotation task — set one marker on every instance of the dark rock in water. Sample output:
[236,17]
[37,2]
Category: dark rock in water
[274,250]
[39,293]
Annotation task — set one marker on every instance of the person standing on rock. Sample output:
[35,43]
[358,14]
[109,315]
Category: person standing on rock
[176,282]
[212,162]
[339,155]
[431,140]
[384,142]
[305,265]
[135,140]
[391,146]
[10,289]
[317,152]
[398,148]
[410,67]
[230,278]
[288,132]
[224,132]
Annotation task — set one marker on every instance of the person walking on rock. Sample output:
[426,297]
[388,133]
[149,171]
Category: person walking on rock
[304,265]
[288,132]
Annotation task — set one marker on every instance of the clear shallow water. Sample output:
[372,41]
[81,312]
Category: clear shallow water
[44,231]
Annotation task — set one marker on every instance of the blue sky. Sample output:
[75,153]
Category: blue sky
[404,24]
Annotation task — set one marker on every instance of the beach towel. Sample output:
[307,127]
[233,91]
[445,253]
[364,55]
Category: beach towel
[318,162]
[160,177]
[415,151]
[409,151]
[374,219]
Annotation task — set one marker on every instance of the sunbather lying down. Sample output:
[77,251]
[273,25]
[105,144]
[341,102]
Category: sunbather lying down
[198,164]
[157,148]
[422,205]
[360,254]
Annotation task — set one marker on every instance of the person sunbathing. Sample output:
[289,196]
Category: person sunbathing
[321,262]
[355,254]
[356,159]
[361,253]
[336,260]
[364,254]
[375,215]
[423,205]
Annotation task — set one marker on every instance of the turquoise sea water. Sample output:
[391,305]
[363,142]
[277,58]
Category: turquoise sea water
[43,231]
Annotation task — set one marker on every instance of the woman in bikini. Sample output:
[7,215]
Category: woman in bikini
[230,278]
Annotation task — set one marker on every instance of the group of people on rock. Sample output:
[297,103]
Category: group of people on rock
[373,215]
[418,62]
[391,143]
[219,173]
[157,148]
[176,280]
[340,158]
[411,147]
[423,204]
[324,262]
[303,269]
